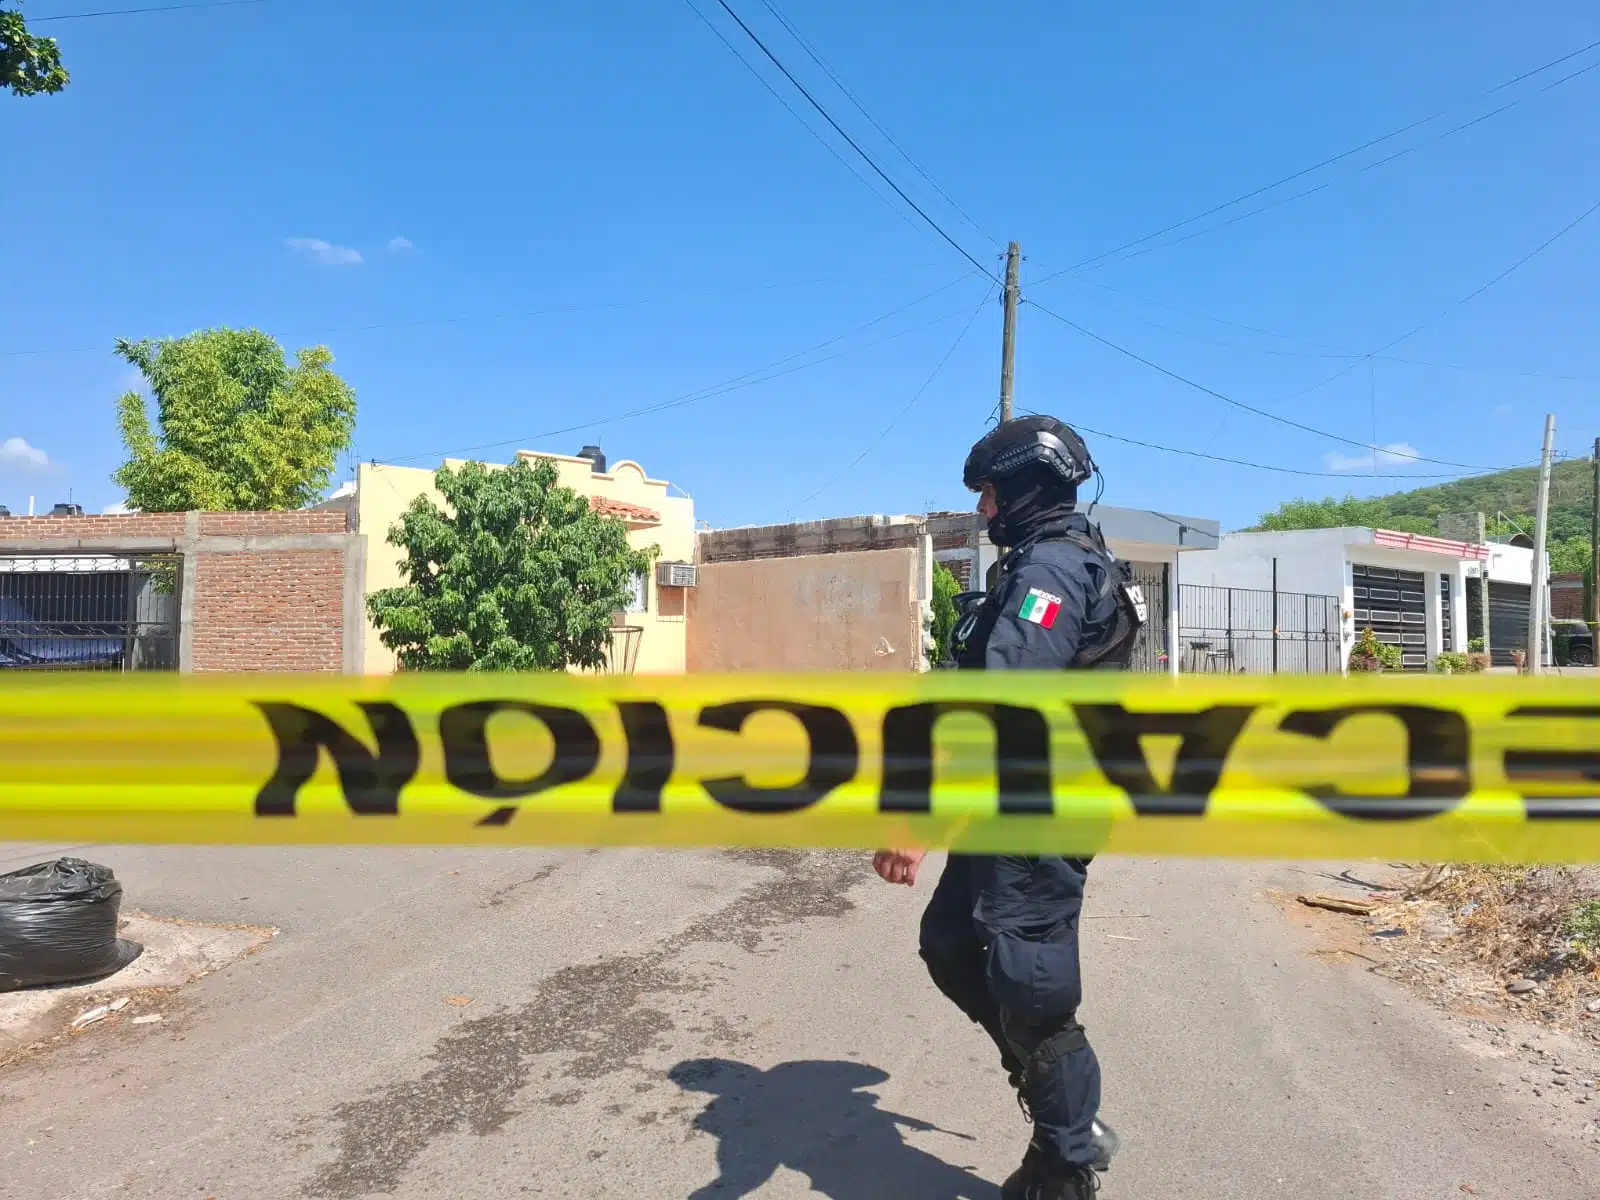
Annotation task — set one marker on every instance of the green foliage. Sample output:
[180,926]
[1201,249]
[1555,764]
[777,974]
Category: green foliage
[1506,498]
[238,427]
[29,65]
[1573,555]
[945,588]
[1582,925]
[1451,661]
[1369,654]
[519,575]
[1475,645]
[1333,514]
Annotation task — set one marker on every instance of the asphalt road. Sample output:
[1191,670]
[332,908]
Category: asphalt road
[647,1024]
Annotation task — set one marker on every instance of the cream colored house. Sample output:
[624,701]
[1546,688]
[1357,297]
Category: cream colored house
[651,639]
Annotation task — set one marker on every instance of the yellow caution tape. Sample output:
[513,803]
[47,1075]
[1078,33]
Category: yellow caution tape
[1496,768]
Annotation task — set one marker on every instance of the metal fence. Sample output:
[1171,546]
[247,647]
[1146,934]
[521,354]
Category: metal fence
[1225,630]
[1150,648]
[89,612]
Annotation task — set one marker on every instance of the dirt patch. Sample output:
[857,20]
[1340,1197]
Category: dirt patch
[1482,941]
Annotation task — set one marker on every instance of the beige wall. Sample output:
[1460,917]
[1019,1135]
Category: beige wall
[384,492]
[855,611]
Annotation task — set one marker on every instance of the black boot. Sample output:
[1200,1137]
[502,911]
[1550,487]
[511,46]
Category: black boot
[1106,1139]
[1042,1176]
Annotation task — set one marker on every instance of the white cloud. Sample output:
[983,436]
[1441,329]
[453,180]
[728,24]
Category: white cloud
[1395,454]
[325,252]
[18,455]
[398,244]
[119,509]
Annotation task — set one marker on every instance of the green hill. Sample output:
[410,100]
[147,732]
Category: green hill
[1505,498]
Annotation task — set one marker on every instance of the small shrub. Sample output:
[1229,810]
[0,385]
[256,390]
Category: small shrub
[1369,654]
[1450,661]
[1475,645]
[1477,660]
[1582,925]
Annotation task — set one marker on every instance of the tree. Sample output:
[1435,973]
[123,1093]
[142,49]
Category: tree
[945,588]
[1571,555]
[29,65]
[1330,513]
[520,575]
[239,428]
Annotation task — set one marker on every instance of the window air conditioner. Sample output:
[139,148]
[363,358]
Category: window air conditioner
[675,574]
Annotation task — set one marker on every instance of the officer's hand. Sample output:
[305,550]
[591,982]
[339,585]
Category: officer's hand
[898,866]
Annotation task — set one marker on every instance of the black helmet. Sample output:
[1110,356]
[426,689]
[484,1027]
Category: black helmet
[1024,442]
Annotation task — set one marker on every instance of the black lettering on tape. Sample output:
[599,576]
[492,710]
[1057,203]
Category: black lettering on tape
[1205,738]
[833,756]
[1438,760]
[1021,745]
[650,757]
[371,782]
[463,728]
[1527,769]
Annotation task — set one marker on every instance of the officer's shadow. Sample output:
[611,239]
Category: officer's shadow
[814,1118]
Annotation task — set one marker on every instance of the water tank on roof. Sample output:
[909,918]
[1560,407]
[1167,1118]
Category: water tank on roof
[597,460]
[1523,540]
[67,510]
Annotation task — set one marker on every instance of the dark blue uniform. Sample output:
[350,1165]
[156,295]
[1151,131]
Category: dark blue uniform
[1000,934]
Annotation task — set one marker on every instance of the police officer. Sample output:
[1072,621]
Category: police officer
[1000,933]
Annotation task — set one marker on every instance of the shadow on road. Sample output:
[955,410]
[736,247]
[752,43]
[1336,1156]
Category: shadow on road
[813,1117]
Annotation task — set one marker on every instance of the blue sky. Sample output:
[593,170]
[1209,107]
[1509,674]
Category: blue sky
[599,209]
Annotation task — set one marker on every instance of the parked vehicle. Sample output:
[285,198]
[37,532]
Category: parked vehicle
[1573,643]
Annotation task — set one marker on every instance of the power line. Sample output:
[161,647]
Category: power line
[1238,462]
[909,404]
[557,310]
[1250,408]
[862,108]
[854,145]
[1372,446]
[759,375]
[1327,162]
[1327,350]
[131,12]
[804,124]
[1281,201]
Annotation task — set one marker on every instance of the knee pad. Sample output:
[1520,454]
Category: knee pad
[1067,1038]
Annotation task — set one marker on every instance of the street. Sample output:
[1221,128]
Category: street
[450,1023]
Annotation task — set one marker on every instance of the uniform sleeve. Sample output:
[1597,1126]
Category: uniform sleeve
[1040,620]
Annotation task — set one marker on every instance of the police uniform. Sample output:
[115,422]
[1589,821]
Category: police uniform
[1000,933]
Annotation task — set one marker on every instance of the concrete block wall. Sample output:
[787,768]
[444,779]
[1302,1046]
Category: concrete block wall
[260,591]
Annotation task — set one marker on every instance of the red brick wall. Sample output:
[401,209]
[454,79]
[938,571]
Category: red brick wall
[134,525]
[257,610]
[1566,596]
[272,610]
[171,525]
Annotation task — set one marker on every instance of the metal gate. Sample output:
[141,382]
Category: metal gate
[1394,605]
[1150,648]
[89,612]
[1224,630]
[1508,620]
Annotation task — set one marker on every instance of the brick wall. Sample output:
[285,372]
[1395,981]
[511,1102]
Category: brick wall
[1566,596]
[273,610]
[275,602]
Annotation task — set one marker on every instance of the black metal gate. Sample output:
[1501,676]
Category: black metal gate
[1257,632]
[89,612]
[1150,649]
[1508,620]
[1394,605]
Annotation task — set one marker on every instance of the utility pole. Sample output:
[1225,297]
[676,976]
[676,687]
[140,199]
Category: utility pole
[1594,545]
[1008,343]
[1537,579]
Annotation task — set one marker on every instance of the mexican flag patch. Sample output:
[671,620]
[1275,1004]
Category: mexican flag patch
[1040,608]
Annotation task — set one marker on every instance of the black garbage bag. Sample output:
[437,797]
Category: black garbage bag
[58,924]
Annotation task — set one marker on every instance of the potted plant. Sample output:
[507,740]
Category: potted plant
[1369,654]
[1448,662]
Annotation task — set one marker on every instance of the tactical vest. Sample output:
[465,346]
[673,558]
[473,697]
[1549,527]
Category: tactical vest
[1113,649]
